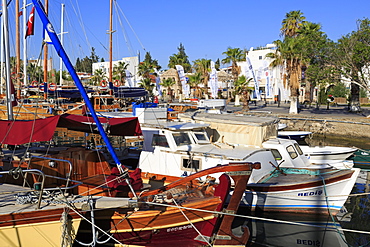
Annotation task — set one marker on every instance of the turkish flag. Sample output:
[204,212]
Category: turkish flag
[30,23]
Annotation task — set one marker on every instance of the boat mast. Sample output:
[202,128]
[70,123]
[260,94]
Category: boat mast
[46,57]
[61,52]
[17,50]
[9,93]
[24,43]
[110,44]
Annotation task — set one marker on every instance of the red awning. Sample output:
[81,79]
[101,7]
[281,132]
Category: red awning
[25,131]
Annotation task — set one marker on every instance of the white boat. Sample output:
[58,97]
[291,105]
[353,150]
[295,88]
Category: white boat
[328,152]
[184,148]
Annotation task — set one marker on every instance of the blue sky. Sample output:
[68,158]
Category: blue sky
[205,28]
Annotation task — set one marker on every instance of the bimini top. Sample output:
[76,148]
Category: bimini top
[26,131]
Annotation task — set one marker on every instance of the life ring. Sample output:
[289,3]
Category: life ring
[117,83]
[52,86]
[34,83]
[103,83]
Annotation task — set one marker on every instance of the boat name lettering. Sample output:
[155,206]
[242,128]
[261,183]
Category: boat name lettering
[179,228]
[309,242]
[311,193]
[239,173]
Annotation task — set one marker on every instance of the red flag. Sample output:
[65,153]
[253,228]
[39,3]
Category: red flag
[30,23]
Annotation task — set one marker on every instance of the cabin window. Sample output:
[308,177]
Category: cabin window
[159,140]
[276,154]
[190,164]
[299,150]
[181,139]
[291,151]
[201,137]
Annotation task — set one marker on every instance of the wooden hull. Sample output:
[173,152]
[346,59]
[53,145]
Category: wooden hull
[164,226]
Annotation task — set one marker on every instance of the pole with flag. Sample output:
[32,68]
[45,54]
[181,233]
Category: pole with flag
[256,84]
[185,86]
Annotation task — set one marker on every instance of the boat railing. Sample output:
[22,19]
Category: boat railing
[39,186]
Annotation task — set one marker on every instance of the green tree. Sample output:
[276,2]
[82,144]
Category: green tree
[148,85]
[99,75]
[154,63]
[234,55]
[168,83]
[352,59]
[203,67]
[145,69]
[119,72]
[241,88]
[194,81]
[180,59]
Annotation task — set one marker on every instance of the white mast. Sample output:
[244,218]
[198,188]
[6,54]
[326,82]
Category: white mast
[9,95]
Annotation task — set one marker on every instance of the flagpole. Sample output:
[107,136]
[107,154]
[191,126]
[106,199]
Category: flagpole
[61,41]
[46,58]
[17,50]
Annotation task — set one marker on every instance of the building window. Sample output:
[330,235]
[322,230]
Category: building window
[260,57]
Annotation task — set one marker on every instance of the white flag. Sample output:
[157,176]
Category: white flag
[185,86]
[256,83]
[158,82]
[213,81]
[129,78]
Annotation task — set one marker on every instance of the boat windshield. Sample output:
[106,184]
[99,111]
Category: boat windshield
[181,138]
[201,138]
[299,150]
[276,154]
[291,151]
[159,140]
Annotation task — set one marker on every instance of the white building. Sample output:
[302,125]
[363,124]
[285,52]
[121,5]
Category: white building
[133,64]
[267,79]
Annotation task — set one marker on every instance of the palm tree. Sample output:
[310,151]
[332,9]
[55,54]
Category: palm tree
[99,75]
[168,83]
[145,68]
[35,73]
[119,72]
[194,81]
[241,88]
[294,20]
[234,55]
[203,67]
[147,84]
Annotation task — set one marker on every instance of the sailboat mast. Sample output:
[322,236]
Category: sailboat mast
[110,42]
[24,43]
[61,52]
[9,93]
[46,58]
[17,50]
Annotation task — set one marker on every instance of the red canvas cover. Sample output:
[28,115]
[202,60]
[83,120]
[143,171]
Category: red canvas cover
[25,131]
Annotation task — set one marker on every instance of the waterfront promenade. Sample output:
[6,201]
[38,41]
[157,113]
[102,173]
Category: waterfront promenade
[336,120]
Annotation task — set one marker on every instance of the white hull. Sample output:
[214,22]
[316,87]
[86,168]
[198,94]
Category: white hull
[328,152]
[309,199]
